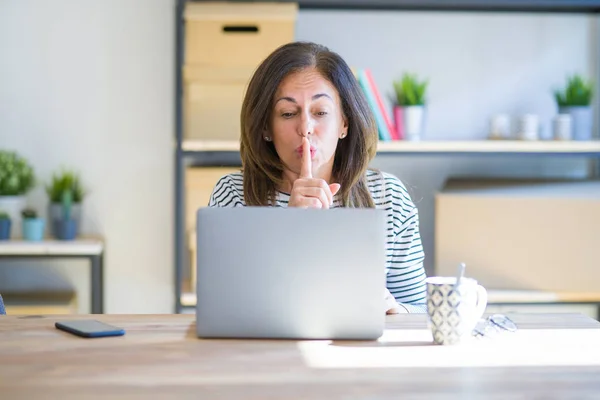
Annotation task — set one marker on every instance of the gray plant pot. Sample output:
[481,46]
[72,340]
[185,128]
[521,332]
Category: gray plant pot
[582,118]
[55,213]
[66,229]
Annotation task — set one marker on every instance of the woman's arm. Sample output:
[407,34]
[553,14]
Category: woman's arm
[405,273]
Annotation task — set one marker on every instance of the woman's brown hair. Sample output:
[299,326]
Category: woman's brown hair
[261,165]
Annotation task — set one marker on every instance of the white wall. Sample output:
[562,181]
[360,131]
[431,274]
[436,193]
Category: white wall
[89,84]
[478,64]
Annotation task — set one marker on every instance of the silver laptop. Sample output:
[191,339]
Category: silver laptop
[266,272]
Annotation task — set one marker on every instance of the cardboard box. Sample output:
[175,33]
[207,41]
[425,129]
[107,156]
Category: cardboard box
[212,102]
[199,184]
[236,34]
[224,44]
[520,234]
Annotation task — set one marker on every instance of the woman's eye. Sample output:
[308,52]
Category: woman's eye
[287,115]
[321,113]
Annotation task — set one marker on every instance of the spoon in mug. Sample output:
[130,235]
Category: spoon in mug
[461,272]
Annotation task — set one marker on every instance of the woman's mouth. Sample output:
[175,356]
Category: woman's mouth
[313,151]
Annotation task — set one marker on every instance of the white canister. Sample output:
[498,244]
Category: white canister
[529,127]
[499,127]
[562,127]
[414,121]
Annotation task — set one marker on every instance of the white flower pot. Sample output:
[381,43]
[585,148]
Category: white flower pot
[414,121]
[581,121]
[13,205]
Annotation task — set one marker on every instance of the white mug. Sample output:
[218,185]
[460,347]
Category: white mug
[454,310]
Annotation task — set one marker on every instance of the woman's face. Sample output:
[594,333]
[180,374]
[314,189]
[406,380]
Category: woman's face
[307,104]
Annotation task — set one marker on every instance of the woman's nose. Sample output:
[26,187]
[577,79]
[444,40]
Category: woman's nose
[307,127]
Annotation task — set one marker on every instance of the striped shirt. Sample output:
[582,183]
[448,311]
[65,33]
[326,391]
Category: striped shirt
[404,251]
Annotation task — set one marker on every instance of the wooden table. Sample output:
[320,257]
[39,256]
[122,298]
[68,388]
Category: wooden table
[91,249]
[551,356]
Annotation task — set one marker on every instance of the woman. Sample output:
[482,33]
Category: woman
[307,137]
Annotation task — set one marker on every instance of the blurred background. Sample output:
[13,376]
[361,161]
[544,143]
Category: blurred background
[119,116]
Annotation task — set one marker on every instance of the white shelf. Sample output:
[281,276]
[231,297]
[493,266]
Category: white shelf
[188,299]
[210,145]
[491,146]
[495,296]
[539,296]
[467,147]
[78,247]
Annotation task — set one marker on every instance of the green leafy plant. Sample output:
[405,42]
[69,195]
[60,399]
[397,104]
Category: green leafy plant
[67,203]
[29,213]
[16,174]
[4,215]
[578,92]
[410,91]
[62,182]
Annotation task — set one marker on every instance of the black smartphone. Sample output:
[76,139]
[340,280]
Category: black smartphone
[89,328]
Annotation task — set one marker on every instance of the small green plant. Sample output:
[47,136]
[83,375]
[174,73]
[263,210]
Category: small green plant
[62,182]
[67,203]
[578,92]
[4,215]
[16,174]
[410,91]
[29,213]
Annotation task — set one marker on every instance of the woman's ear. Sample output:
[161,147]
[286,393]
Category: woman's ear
[344,131]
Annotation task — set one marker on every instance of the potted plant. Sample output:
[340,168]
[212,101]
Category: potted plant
[409,109]
[4,225]
[66,227]
[33,226]
[575,100]
[16,179]
[65,183]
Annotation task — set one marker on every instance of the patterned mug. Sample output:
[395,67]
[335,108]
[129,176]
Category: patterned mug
[454,310]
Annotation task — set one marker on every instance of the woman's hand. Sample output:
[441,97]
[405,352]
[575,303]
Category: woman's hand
[392,306]
[309,192]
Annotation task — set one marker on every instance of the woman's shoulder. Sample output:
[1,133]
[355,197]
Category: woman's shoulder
[234,180]
[229,190]
[387,188]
